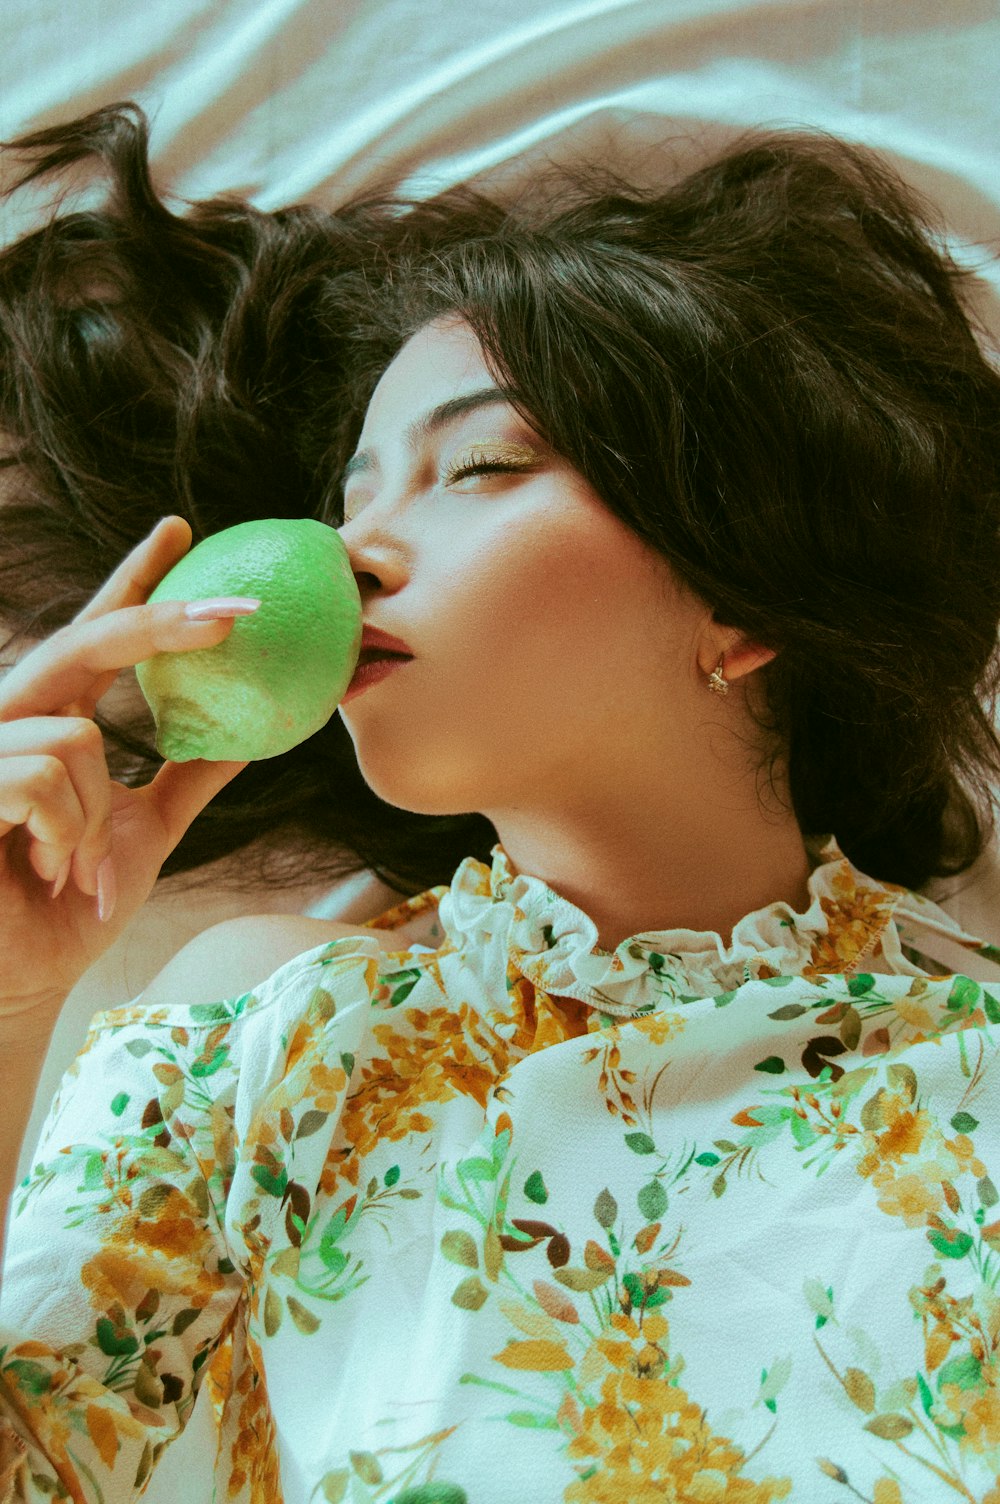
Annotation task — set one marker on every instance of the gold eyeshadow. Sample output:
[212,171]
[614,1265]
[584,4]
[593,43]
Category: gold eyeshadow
[503,452]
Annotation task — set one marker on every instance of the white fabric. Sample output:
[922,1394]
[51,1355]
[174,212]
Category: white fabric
[315,1167]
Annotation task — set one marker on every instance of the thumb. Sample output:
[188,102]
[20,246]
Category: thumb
[181,790]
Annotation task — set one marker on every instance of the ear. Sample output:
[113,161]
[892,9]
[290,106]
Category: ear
[740,655]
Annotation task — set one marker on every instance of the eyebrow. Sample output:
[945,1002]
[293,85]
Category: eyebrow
[430,422]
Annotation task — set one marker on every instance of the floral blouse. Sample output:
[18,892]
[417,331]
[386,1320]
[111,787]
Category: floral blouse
[501,1217]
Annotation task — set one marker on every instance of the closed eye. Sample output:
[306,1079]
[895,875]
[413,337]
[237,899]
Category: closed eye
[485,462]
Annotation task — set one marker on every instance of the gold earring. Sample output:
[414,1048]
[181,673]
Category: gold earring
[717,680]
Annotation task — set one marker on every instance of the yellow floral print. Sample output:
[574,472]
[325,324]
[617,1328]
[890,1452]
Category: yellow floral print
[646,1440]
[403,1213]
[857,915]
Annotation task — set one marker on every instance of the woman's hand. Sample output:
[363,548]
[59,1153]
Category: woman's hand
[61,815]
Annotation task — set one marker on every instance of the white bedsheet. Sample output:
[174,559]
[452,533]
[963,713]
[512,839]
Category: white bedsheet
[314,99]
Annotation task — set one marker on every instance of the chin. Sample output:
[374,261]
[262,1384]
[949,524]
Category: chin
[419,796]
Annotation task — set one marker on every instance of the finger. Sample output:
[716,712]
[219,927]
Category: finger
[64,669]
[181,790]
[142,569]
[78,744]
[38,794]
[129,585]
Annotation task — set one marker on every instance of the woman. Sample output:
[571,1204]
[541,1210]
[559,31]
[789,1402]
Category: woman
[658,1163]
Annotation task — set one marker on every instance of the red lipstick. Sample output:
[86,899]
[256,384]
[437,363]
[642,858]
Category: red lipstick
[377,641]
[380,655]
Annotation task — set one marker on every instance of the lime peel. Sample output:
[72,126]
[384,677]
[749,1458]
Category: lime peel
[280,674]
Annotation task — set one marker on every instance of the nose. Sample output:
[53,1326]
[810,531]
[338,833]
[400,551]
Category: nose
[379,558]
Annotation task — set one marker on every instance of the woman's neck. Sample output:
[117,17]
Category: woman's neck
[631,873]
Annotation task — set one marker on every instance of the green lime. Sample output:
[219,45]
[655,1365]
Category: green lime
[280,674]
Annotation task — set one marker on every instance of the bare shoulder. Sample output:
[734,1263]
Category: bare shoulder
[231,958]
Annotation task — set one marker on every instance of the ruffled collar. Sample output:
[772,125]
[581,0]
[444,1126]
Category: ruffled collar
[502,921]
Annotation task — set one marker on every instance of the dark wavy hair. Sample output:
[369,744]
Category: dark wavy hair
[768,370]
[769,373]
[154,362]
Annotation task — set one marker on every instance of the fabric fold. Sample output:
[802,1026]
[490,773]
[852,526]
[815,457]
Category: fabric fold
[499,918]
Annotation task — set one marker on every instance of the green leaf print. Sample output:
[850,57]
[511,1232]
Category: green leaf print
[534,1188]
[531,1421]
[652,1200]
[202,1068]
[432,1493]
[93,1172]
[406,980]
[965,1371]
[773,1065]
[273,1184]
[789,1011]
[114,1342]
[477,1169]
[119,1103]
[820,1299]
[216,1013]
[964,1122]
[606,1209]
[859,985]
[334,1259]
[640,1296]
[964,995]
[950,1242]
[640,1143]
[31,1377]
[926,1398]
[987,1192]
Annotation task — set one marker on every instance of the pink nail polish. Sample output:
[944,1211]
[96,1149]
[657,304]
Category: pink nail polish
[107,890]
[220,608]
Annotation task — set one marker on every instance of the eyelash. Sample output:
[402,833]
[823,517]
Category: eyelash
[477,462]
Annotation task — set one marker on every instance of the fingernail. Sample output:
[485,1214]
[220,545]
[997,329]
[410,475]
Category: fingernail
[107,890]
[61,876]
[220,608]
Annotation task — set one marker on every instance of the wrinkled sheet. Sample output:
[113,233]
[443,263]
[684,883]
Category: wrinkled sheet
[291,100]
[286,100]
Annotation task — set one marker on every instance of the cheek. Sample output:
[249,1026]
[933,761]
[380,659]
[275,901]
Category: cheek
[528,592]
[557,618]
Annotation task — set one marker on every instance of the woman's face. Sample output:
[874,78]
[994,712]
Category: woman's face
[554,657]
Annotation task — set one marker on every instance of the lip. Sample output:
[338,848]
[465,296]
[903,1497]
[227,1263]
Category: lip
[367,674]
[379,654]
[375,638]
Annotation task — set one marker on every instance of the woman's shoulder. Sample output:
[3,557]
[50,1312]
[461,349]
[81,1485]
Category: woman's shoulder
[231,958]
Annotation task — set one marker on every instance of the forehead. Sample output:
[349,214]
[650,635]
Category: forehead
[442,360]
